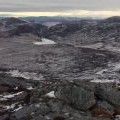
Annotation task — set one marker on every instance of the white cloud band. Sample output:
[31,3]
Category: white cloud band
[74,13]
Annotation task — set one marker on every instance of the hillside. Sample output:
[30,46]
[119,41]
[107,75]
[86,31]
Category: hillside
[68,71]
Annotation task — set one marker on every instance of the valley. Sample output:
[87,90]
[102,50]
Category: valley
[42,68]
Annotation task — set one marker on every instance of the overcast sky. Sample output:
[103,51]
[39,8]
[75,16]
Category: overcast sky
[60,7]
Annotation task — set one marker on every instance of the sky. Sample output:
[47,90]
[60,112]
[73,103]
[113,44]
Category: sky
[76,8]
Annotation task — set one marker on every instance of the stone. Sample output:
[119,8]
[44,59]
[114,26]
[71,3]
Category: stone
[98,111]
[103,104]
[109,93]
[88,118]
[56,105]
[76,97]
[117,117]
[26,111]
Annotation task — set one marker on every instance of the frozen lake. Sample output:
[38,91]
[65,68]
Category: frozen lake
[45,42]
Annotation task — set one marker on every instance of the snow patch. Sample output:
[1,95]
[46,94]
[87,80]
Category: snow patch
[10,107]
[37,105]
[104,81]
[18,108]
[50,24]
[26,75]
[101,72]
[2,98]
[50,94]
[117,67]
[30,88]
[5,97]
[95,46]
[44,42]
[117,117]
[113,49]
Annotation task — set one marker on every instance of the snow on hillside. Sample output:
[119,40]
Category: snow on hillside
[44,42]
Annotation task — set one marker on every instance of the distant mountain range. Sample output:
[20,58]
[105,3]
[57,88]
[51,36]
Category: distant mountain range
[43,19]
[52,19]
[79,31]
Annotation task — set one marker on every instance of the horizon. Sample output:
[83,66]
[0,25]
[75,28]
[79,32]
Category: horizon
[77,14]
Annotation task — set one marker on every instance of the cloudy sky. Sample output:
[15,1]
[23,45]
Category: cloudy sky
[95,8]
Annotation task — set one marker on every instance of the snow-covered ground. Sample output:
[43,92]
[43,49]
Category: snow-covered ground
[9,96]
[103,81]
[13,107]
[117,67]
[45,42]
[101,71]
[50,24]
[108,75]
[12,95]
[113,49]
[26,75]
[95,46]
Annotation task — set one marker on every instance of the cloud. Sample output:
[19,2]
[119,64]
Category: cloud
[57,5]
[103,8]
[74,13]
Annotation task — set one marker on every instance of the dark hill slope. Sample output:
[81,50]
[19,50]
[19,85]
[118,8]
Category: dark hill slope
[36,29]
[106,31]
[12,21]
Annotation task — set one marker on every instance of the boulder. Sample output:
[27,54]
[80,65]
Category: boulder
[76,97]
[90,86]
[88,118]
[109,108]
[98,111]
[109,93]
[27,111]
[56,105]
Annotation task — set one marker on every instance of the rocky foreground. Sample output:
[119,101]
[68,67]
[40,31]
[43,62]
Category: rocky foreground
[22,99]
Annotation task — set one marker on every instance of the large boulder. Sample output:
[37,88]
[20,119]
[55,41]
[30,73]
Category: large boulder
[75,96]
[59,107]
[102,109]
[109,93]
[89,118]
[27,111]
